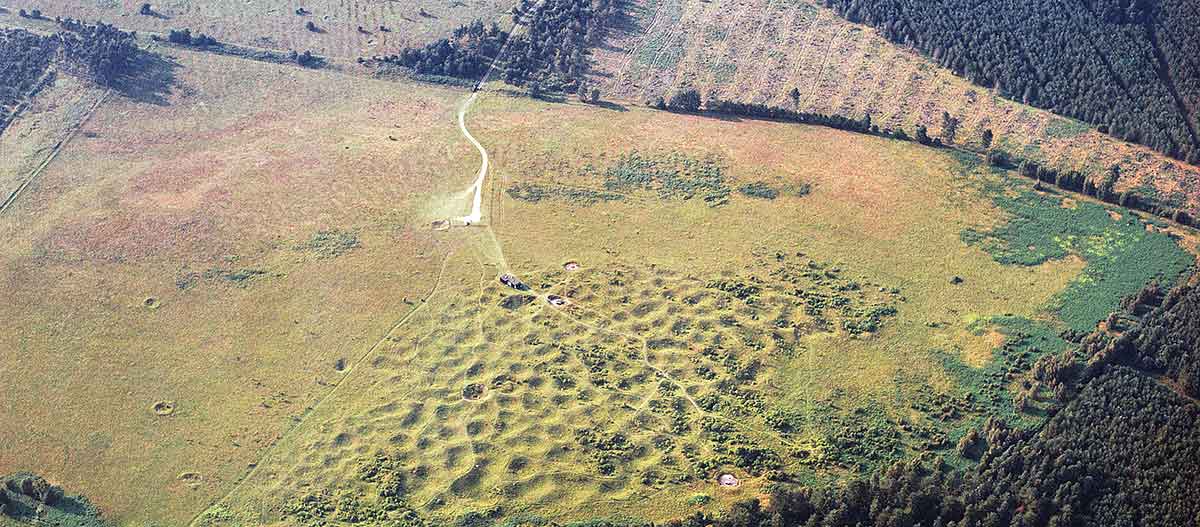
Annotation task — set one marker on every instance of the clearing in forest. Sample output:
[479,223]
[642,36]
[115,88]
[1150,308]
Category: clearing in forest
[766,306]
[237,282]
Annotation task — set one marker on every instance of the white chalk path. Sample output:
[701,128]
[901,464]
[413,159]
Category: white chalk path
[477,201]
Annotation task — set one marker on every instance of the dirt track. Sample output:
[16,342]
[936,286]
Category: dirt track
[477,200]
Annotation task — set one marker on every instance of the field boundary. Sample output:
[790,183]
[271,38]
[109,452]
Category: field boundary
[33,174]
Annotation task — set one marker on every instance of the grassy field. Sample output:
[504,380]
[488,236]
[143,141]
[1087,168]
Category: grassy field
[187,277]
[807,337]
[231,293]
[758,50]
[276,25]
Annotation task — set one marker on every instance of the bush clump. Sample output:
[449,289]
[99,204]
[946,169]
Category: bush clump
[472,391]
[184,37]
[331,243]
[536,192]
[758,189]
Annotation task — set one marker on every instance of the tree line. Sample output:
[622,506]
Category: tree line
[550,56]
[97,51]
[467,54]
[1104,189]
[689,100]
[184,37]
[1157,331]
[1128,66]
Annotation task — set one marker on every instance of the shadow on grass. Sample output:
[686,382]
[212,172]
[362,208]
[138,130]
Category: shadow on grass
[723,116]
[624,24]
[147,78]
[155,14]
[562,98]
[607,105]
[558,98]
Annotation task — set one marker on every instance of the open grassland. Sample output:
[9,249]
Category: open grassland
[191,273]
[759,50]
[276,25]
[235,276]
[865,313]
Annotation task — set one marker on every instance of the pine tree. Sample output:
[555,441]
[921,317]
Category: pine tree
[949,128]
[923,135]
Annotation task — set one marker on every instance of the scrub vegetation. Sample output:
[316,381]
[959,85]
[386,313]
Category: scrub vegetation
[798,357]
[764,268]
[1123,251]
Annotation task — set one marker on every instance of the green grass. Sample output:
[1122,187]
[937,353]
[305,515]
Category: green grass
[661,45]
[702,340]
[758,189]
[764,190]
[671,175]
[1061,128]
[331,243]
[723,72]
[666,176]
[1148,192]
[989,387]
[535,192]
[1121,254]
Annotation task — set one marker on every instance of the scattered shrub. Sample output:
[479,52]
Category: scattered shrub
[472,391]
[307,59]
[758,189]
[331,243]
